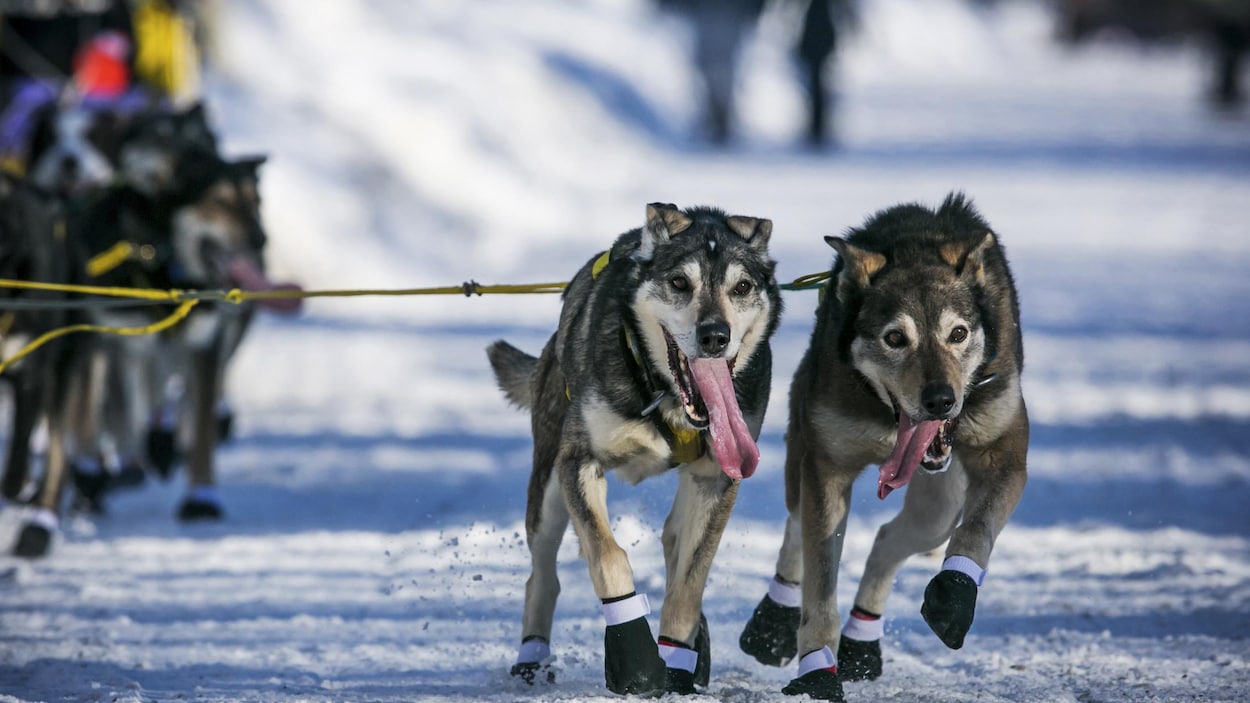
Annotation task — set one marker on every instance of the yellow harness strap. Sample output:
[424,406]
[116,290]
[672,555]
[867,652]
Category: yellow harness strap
[687,445]
[110,259]
[117,255]
[600,264]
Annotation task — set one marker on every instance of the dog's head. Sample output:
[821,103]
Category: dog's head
[72,150]
[918,336]
[156,146]
[217,237]
[917,326]
[708,288]
[706,302]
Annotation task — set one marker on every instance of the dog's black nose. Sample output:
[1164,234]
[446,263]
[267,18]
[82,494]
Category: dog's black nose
[713,338]
[937,398]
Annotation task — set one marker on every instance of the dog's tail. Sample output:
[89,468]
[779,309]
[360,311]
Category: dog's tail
[515,371]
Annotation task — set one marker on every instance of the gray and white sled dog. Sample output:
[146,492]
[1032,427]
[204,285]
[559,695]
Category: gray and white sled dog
[914,364]
[661,360]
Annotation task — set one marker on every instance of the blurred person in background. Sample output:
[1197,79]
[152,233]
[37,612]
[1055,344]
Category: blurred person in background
[721,29]
[1222,25]
[817,42]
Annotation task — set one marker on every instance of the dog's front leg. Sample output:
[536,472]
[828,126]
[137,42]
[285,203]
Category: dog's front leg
[996,478]
[771,635]
[631,660]
[692,534]
[824,501]
[201,502]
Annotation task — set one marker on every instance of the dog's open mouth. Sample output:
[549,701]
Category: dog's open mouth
[687,390]
[924,445]
[705,389]
[240,270]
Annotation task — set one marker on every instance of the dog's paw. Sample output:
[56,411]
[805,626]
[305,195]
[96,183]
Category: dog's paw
[201,504]
[162,450]
[33,541]
[91,482]
[225,424]
[859,661]
[771,635]
[534,672]
[703,645]
[688,665]
[821,684]
[679,681]
[534,661]
[950,601]
[631,660]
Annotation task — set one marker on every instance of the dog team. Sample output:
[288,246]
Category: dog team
[661,361]
[138,200]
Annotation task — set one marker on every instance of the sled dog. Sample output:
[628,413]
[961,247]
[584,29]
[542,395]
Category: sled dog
[661,360]
[205,235]
[914,365]
[34,246]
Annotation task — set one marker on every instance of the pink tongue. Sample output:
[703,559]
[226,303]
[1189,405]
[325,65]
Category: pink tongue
[912,441]
[731,440]
[248,276]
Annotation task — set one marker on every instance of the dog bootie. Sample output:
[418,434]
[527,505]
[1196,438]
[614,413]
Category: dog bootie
[91,482]
[162,449]
[680,661]
[859,650]
[225,422]
[201,503]
[818,677]
[686,666]
[950,600]
[771,635]
[533,661]
[631,658]
[703,645]
[36,536]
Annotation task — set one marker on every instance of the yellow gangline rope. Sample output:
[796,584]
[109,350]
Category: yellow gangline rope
[187,299]
[172,319]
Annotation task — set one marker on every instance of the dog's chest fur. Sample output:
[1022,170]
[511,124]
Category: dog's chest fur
[633,447]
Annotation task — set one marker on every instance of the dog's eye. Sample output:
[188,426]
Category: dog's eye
[959,334]
[743,288]
[895,339]
[679,283]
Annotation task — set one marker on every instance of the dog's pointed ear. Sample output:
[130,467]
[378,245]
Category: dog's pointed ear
[755,230]
[250,165]
[858,265]
[664,221]
[969,262]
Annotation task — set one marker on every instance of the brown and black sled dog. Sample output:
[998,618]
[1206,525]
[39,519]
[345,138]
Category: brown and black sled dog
[661,362]
[914,365]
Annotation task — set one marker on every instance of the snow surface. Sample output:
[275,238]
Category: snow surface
[374,546]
